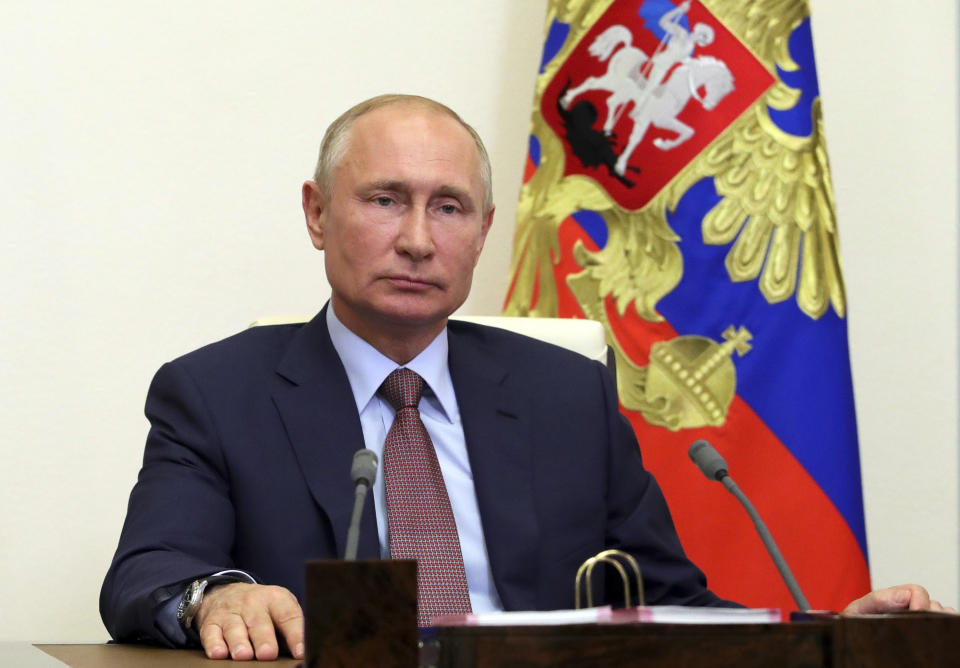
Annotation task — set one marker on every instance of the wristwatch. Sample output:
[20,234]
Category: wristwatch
[193,596]
[190,602]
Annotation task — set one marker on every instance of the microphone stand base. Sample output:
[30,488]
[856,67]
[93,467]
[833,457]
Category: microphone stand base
[361,613]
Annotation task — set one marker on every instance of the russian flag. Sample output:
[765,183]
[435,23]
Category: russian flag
[745,343]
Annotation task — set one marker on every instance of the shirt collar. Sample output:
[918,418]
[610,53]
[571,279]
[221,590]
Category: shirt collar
[367,367]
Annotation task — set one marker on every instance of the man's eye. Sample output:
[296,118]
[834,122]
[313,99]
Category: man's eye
[448,209]
[383,200]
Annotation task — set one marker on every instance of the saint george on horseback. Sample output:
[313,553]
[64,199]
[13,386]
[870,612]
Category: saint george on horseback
[658,86]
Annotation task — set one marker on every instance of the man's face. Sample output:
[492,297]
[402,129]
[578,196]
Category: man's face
[403,227]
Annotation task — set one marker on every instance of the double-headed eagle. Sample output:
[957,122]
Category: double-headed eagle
[776,211]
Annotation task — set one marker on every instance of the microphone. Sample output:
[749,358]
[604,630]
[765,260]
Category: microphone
[714,467]
[363,472]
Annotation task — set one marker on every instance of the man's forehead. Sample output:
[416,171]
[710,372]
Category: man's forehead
[400,116]
[410,135]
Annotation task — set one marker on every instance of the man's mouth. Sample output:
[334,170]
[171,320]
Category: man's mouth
[411,282]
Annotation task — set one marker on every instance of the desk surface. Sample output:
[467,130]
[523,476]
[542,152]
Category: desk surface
[26,655]
[889,641]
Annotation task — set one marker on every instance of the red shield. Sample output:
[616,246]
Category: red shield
[647,168]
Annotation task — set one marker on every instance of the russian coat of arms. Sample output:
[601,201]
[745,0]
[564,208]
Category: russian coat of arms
[640,102]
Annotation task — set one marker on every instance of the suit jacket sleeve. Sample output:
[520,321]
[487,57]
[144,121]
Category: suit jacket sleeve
[180,518]
[245,467]
[640,523]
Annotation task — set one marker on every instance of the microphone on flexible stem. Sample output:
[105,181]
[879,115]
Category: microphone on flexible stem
[363,472]
[711,463]
[344,598]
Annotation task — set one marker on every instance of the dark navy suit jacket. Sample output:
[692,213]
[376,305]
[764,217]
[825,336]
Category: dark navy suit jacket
[248,457]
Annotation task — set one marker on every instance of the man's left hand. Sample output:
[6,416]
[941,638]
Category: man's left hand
[894,599]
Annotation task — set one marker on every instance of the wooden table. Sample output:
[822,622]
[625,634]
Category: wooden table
[26,655]
[920,639]
[882,641]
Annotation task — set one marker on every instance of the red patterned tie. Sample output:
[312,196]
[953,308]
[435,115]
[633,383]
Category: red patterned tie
[418,510]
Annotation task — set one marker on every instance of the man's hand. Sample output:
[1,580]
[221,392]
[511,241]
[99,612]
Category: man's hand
[893,599]
[238,621]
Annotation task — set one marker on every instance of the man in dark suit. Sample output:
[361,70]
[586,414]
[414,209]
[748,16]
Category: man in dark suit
[245,472]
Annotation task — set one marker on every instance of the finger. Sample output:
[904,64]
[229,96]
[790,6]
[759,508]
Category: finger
[874,602]
[288,617]
[211,639]
[235,633]
[881,601]
[919,598]
[262,636]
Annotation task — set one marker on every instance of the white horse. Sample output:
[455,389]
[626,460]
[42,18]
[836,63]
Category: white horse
[622,79]
[660,106]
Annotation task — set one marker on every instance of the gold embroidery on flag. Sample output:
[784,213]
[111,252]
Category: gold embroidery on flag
[776,201]
[776,212]
[689,382]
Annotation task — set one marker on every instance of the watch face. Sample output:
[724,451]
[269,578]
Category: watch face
[189,601]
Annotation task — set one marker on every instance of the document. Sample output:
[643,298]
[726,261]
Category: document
[662,614]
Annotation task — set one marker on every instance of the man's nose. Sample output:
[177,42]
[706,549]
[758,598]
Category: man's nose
[414,237]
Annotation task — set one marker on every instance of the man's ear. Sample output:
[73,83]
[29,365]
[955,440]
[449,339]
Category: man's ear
[487,222]
[314,210]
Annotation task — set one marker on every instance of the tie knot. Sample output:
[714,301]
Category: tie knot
[402,389]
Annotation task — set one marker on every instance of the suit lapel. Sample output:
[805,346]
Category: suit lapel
[501,460]
[317,408]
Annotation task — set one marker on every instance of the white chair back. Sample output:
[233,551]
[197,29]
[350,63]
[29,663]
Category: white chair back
[586,337]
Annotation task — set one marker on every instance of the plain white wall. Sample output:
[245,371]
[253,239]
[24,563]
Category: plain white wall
[150,161]
[889,80]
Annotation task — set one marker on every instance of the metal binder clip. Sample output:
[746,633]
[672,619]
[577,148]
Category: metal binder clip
[585,573]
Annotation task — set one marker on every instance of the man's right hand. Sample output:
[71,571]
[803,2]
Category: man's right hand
[240,621]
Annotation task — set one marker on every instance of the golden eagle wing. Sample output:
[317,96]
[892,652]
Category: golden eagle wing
[777,210]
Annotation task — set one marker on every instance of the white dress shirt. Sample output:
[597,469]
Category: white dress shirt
[366,369]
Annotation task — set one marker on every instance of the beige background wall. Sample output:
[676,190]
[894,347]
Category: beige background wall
[150,161]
